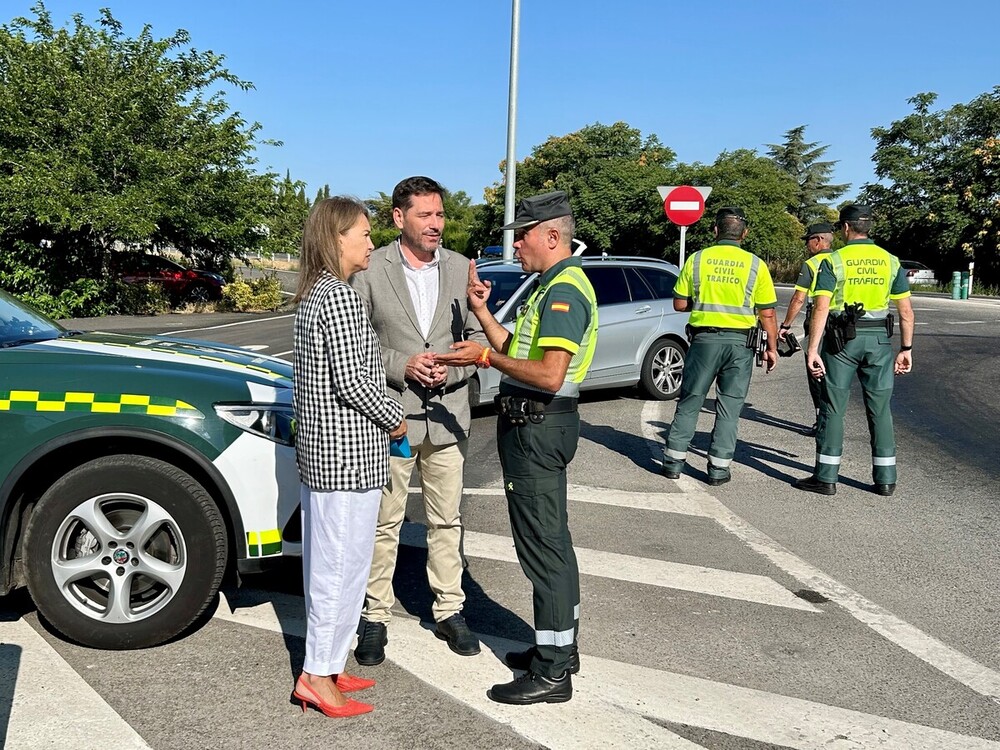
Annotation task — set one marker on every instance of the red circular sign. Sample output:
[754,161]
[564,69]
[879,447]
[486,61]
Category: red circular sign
[684,205]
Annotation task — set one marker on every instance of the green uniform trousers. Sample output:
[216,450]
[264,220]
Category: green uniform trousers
[870,356]
[723,359]
[534,459]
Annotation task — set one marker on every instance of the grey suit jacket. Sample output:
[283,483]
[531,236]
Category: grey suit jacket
[442,414]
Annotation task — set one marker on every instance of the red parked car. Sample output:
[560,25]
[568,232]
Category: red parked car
[179,283]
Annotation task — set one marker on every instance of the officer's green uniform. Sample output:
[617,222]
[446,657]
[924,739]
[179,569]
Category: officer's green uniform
[862,272]
[806,283]
[727,286]
[561,313]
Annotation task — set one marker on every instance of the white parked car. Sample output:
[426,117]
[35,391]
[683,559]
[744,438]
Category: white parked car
[918,273]
[640,338]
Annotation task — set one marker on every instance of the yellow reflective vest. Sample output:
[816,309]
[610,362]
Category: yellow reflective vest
[727,286]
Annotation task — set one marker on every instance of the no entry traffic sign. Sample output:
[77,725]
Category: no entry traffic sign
[684,205]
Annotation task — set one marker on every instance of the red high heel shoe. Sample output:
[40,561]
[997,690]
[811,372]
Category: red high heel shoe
[348,683]
[307,697]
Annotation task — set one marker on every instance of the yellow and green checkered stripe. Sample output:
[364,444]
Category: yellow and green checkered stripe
[100,403]
[263,543]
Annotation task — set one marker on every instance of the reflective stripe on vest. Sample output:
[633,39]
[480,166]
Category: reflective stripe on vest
[745,310]
[864,277]
[814,263]
[525,337]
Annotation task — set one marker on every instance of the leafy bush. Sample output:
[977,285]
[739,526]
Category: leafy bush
[136,299]
[251,295]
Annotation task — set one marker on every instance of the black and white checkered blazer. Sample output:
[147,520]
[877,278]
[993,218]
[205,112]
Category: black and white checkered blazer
[341,408]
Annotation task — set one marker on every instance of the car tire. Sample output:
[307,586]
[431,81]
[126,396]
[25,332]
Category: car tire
[198,294]
[124,552]
[662,370]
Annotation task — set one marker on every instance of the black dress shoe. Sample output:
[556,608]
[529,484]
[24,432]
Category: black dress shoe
[533,688]
[812,484]
[670,473]
[885,490]
[371,643]
[460,638]
[716,481]
[521,660]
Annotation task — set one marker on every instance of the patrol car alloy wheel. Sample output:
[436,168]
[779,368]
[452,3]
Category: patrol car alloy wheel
[662,370]
[124,552]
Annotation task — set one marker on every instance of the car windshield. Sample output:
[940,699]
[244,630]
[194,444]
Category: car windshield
[20,324]
[503,284]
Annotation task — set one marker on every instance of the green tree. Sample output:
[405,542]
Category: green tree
[287,216]
[762,189]
[610,173]
[814,190]
[108,141]
[939,181]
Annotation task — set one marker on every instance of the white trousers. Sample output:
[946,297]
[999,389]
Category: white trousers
[337,542]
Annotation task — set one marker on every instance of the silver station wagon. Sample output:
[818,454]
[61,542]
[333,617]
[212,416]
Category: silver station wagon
[641,337]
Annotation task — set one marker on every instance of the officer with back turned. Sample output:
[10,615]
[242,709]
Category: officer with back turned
[542,363]
[726,289]
[818,238]
[851,314]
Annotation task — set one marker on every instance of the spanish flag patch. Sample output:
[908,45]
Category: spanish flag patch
[560,307]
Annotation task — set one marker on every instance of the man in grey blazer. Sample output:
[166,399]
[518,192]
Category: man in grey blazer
[415,292]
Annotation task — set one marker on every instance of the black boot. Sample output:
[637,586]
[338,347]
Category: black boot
[885,490]
[521,660]
[812,484]
[533,688]
[371,643]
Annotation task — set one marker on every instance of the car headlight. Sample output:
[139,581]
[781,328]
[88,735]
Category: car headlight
[275,422]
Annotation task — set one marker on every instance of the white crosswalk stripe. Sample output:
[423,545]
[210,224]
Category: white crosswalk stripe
[701,580]
[613,702]
[49,704]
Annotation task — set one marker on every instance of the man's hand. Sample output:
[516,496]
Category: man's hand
[816,367]
[782,332]
[423,369]
[463,353]
[399,431]
[904,363]
[770,358]
[479,291]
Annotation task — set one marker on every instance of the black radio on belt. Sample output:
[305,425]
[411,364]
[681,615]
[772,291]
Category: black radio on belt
[518,410]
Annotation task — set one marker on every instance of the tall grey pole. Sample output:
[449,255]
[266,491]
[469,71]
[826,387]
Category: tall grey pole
[510,173]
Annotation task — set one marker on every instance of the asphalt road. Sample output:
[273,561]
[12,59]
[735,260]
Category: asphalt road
[746,616]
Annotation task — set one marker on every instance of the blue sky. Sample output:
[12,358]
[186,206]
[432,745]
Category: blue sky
[363,94]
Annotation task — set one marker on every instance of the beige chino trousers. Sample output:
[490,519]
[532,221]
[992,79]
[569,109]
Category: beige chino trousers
[441,469]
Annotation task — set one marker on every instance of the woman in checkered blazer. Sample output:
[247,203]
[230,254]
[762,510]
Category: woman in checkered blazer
[344,422]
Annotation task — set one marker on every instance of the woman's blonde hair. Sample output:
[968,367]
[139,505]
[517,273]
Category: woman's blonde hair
[328,220]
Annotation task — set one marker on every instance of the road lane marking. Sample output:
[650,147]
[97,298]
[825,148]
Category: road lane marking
[927,648]
[613,702]
[227,325]
[664,502]
[282,354]
[746,587]
[255,347]
[963,322]
[50,704]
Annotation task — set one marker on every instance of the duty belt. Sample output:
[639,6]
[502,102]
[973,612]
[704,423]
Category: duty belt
[695,330]
[520,409]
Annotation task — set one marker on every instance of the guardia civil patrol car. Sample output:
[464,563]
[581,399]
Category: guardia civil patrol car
[134,472]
